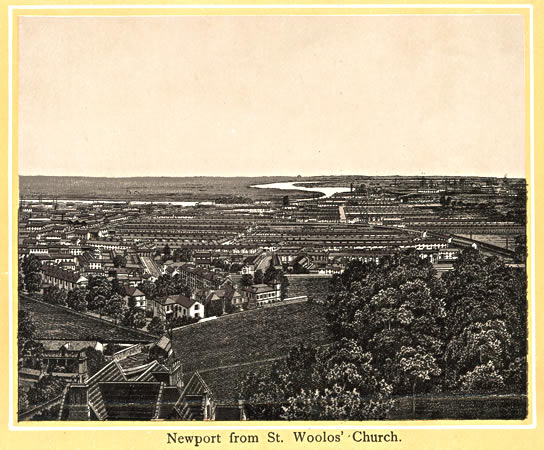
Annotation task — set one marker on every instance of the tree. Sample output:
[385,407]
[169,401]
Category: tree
[149,289]
[156,326]
[336,383]
[177,255]
[20,282]
[258,276]
[119,261]
[26,335]
[417,365]
[47,388]
[398,304]
[186,254]
[520,248]
[95,360]
[77,299]
[33,282]
[134,318]
[115,307]
[164,285]
[246,280]
[486,321]
[31,264]
[297,268]
[117,287]
[99,293]
[273,276]
[55,295]
[270,274]
[483,379]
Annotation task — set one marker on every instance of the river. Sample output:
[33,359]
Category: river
[293,185]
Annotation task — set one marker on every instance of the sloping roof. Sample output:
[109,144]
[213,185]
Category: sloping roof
[130,400]
[110,372]
[259,289]
[132,291]
[170,396]
[180,300]
[61,274]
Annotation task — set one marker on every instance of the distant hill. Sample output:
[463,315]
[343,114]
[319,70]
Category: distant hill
[150,188]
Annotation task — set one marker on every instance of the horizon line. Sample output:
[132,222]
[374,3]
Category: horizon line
[280,176]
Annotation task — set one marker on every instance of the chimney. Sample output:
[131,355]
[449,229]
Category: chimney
[175,372]
[76,400]
[82,373]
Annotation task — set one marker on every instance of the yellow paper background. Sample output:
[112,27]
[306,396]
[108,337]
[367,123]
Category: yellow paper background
[527,435]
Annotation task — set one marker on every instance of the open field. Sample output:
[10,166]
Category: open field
[247,337]
[153,188]
[57,322]
[317,287]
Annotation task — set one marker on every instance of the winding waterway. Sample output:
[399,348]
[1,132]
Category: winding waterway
[294,185]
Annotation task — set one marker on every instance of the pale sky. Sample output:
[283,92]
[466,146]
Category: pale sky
[243,96]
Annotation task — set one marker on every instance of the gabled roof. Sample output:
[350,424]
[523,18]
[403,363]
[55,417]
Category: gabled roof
[132,291]
[180,300]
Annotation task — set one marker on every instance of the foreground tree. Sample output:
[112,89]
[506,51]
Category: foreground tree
[336,383]
[47,388]
[387,308]
[486,323]
[149,289]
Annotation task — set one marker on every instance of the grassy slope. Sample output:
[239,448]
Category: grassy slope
[56,322]
[250,336]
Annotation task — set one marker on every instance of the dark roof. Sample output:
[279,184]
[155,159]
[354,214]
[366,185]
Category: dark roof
[180,300]
[110,372]
[61,274]
[170,396]
[127,400]
[132,291]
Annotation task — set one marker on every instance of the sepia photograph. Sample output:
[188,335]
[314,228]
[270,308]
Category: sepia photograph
[272,218]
